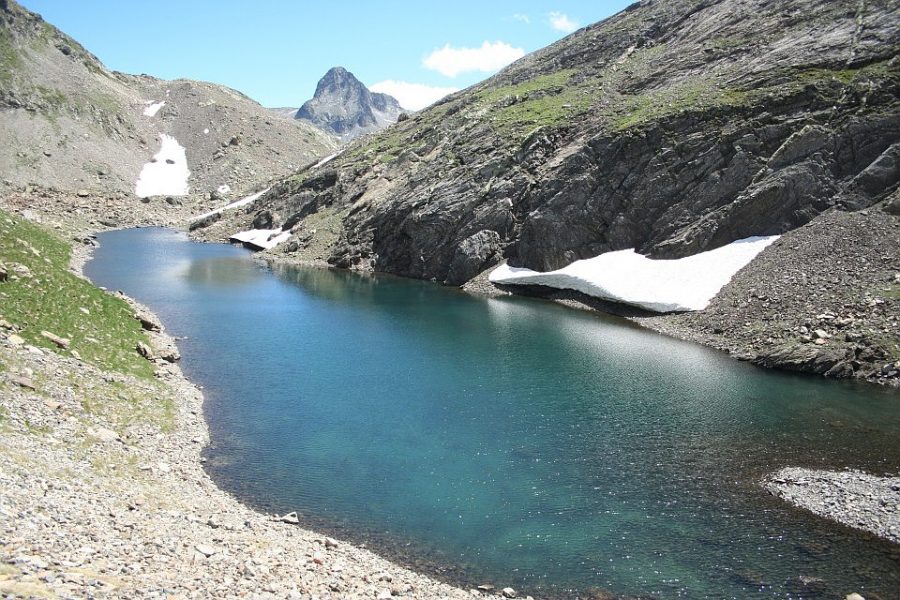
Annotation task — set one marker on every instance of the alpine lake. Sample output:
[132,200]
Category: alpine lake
[512,440]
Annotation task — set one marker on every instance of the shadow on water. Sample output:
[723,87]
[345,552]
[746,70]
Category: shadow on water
[510,440]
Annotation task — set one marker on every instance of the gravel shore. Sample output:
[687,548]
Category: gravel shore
[853,498]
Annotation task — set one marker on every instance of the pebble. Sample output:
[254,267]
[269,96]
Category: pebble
[290,517]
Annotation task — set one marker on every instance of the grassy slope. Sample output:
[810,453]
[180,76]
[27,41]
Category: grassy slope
[102,328]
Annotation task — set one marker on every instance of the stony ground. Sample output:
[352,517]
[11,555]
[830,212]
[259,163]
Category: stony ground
[853,498]
[71,214]
[825,299]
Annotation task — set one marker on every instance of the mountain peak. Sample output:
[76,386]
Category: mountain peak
[343,105]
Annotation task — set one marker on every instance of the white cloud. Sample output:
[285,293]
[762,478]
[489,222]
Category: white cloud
[489,57]
[414,96]
[561,22]
[521,18]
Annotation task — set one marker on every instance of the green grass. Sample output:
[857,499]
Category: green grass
[10,61]
[104,334]
[544,101]
[52,98]
[892,292]
[657,104]
[385,145]
[845,76]
[552,82]
[104,102]
[123,405]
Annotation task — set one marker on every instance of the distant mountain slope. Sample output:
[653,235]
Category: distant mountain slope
[284,111]
[344,106]
[673,127]
[68,122]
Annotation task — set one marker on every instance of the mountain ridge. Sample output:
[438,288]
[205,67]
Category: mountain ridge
[72,124]
[671,128]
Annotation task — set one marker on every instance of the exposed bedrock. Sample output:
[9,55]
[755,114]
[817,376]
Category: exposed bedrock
[672,127]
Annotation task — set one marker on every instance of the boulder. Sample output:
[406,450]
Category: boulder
[60,342]
[145,351]
[800,357]
[473,255]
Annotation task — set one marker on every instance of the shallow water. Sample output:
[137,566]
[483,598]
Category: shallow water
[510,440]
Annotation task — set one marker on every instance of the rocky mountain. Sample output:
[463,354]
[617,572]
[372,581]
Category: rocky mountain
[344,106]
[68,122]
[673,127]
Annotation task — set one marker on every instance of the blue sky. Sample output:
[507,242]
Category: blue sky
[276,50]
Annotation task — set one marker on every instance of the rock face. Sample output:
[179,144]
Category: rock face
[822,299]
[342,105]
[69,123]
[672,127]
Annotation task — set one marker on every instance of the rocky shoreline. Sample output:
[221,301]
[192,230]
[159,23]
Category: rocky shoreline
[96,504]
[854,498]
[832,310]
[143,519]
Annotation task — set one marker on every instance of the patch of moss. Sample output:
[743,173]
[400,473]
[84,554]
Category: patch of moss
[327,224]
[552,82]
[101,328]
[51,98]
[844,76]
[726,42]
[386,145]
[544,101]
[656,104]
[10,61]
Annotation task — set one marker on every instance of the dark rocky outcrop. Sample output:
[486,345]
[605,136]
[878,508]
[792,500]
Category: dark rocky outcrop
[342,105]
[672,127]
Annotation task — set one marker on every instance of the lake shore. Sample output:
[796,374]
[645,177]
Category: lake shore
[141,517]
[853,498]
[833,311]
[145,517]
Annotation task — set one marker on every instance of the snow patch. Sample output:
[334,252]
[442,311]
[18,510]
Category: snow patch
[325,160]
[206,131]
[167,173]
[261,239]
[153,108]
[236,204]
[625,276]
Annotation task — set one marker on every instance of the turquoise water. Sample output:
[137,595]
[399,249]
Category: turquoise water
[510,440]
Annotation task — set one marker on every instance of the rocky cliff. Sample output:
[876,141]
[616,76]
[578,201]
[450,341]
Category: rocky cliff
[344,106]
[68,122]
[672,127]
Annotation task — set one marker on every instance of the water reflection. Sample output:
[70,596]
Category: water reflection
[222,272]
